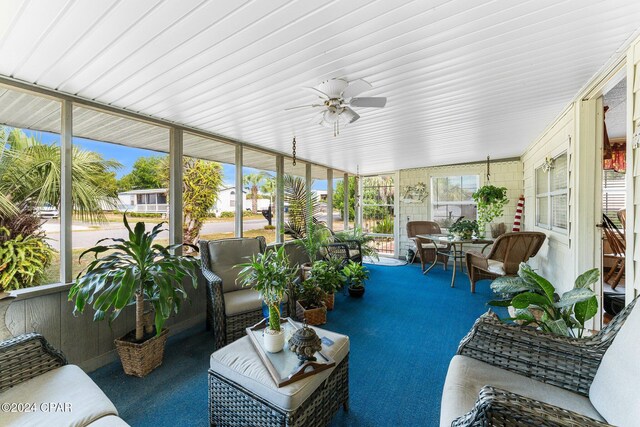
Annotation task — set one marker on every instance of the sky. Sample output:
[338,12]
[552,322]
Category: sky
[128,155]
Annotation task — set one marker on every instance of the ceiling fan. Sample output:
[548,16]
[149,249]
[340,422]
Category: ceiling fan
[338,96]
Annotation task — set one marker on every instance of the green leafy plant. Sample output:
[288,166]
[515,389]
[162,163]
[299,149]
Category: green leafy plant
[384,226]
[316,236]
[310,295]
[561,315]
[464,228]
[491,201]
[227,214]
[327,275]
[270,274]
[365,240]
[134,271]
[299,215]
[23,260]
[356,274]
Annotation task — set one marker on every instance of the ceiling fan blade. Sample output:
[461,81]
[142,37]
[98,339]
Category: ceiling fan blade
[333,88]
[377,102]
[303,106]
[349,116]
[355,88]
[316,92]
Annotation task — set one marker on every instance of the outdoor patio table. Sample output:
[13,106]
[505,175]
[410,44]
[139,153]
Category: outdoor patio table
[456,251]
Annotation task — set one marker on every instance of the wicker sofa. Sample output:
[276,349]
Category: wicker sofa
[505,375]
[38,387]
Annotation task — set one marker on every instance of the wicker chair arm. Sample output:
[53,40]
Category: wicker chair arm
[477,259]
[211,277]
[512,409]
[564,362]
[338,251]
[26,356]
[353,244]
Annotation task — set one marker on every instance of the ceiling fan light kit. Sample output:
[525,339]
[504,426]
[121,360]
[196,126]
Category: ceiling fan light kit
[338,96]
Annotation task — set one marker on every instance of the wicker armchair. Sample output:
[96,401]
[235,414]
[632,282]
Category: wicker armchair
[347,250]
[508,251]
[424,249]
[230,307]
[575,374]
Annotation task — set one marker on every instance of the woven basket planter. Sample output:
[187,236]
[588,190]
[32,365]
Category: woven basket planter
[140,359]
[314,316]
[329,301]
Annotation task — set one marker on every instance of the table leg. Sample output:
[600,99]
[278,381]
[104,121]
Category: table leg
[435,258]
[455,264]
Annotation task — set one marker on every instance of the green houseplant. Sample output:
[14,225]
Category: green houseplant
[269,273]
[464,229]
[535,301]
[327,275]
[365,240]
[310,303]
[356,274]
[491,201]
[23,260]
[135,271]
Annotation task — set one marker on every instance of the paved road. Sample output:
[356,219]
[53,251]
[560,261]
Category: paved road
[88,238]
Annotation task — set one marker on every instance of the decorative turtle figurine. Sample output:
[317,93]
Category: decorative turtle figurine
[305,342]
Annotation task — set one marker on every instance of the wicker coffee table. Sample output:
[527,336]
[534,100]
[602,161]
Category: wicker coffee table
[242,392]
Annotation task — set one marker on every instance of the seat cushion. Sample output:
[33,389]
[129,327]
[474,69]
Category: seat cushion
[225,254]
[466,376]
[65,385]
[109,421]
[244,301]
[495,267]
[239,362]
[614,391]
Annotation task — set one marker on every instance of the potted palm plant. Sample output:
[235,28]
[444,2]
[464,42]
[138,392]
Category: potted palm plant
[490,201]
[327,275]
[312,242]
[141,272]
[356,274]
[310,303]
[269,273]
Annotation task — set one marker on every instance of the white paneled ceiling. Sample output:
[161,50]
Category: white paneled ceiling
[463,79]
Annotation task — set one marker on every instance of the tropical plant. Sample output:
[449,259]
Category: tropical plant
[300,217]
[201,184]
[356,274]
[312,241]
[338,198]
[270,274]
[30,173]
[23,259]
[384,226]
[365,240]
[490,201]
[310,295]
[253,181]
[564,315]
[134,271]
[327,275]
[464,228]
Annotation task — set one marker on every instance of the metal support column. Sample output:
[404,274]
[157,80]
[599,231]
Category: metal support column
[279,199]
[345,213]
[330,198]
[66,200]
[175,187]
[307,183]
[239,192]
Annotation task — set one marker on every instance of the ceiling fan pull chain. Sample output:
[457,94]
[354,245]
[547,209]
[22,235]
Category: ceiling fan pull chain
[294,150]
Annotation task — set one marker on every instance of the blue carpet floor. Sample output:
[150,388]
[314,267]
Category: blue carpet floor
[403,334]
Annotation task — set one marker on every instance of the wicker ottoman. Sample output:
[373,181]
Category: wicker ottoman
[242,392]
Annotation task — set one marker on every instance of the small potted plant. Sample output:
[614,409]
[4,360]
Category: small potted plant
[327,275]
[136,271]
[356,274]
[490,201]
[269,273]
[464,229]
[312,242]
[310,303]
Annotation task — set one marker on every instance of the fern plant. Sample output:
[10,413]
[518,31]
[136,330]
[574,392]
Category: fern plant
[22,260]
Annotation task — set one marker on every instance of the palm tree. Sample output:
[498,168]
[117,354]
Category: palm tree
[30,174]
[253,181]
[295,195]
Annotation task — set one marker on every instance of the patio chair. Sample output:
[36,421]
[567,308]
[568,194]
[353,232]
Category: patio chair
[345,249]
[423,248]
[509,375]
[507,252]
[297,258]
[230,307]
[616,241]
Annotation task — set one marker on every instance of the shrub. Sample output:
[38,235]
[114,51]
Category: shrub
[384,226]
[269,227]
[227,214]
[144,215]
[22,260]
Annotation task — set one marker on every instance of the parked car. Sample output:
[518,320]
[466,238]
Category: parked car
[47,211]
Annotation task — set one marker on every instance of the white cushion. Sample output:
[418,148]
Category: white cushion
[466,376]
[239,362]
[244,301]
[65,385]
[614,391]
[109,421]
[495,267]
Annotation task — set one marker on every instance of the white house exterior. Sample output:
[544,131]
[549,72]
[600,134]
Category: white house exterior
[154,200]
[227,199]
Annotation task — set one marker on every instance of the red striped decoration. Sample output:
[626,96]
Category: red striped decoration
[518,217]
